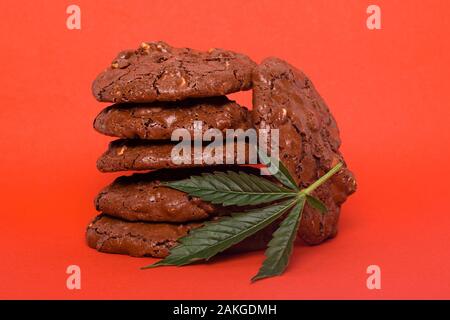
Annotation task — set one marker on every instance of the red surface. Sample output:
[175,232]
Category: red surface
[387,88]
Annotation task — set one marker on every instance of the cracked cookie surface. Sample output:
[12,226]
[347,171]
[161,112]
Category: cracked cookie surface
[157,121]
[285,99]
[158,72]
[144,239]
[110,235]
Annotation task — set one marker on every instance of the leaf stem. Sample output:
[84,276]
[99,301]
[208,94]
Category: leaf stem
[322,179]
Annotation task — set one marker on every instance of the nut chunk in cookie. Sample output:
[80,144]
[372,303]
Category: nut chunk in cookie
[158,72]
[285,99]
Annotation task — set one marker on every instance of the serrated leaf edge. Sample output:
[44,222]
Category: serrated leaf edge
[295,214]
[283,175]
[284,206]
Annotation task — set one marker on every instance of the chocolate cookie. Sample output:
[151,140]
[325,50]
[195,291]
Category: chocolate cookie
[136,155]
[138,239]
[157,121]
[142,197]
[159,72]
[285,99]
[141,239]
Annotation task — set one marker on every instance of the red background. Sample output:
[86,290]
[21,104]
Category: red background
[387,88]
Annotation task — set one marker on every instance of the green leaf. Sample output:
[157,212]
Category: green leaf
[215,237]
[232,188]
[243,189]
[280,172]
[316,203]
[280,247]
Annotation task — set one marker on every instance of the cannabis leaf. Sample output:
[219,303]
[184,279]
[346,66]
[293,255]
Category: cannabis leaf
[215,237]
[232,188]
[316,203]
[278,170]
[280,247]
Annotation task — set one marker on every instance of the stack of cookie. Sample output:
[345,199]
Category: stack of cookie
[156,90]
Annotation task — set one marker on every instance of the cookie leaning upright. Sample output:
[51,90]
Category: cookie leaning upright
[159,72]
[285,99]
